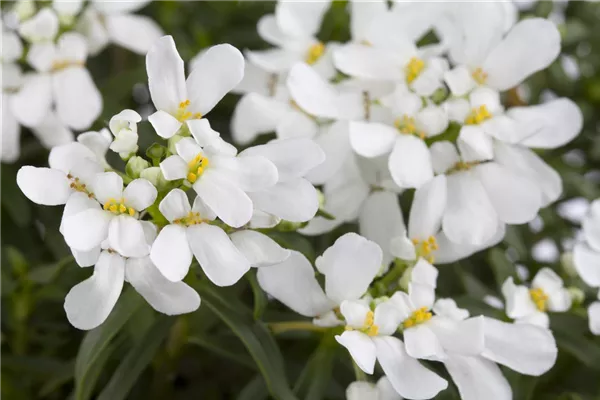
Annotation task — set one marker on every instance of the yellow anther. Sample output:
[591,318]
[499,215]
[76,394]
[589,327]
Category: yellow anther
[407,125]
[192,218]
[348,328]
[314,53]
[415,241]
[63,64]
[118,207]
[122,208]
[78,186]
[417,317]
[131,211]
[113,208]
[414,68]
[479,76]
[425,248]
[192,177]
[369,318]
[183,114]
[373,330]
[539,297]
[478,115]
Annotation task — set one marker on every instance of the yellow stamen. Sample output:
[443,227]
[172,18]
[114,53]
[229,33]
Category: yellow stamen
[539,297]
[414,68]
[192,218]
[425,248]
[192,177]
[197,166]
[63,64]
[118,207]
[183,114]
[407,125]
[417,317]
[479,76]
[314,53]
[478,115]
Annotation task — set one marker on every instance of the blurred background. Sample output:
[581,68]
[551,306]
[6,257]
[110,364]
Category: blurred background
[213,353]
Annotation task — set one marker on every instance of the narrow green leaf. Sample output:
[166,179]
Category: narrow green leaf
[96,341]
[222,349]
[501,266]
[260,298]
[254,335]
[61,376]
[316,375]
[138,358]
[254,390]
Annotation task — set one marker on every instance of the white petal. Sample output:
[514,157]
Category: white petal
[518,300]
[86,258]
[251,174]
[457,109]
[560,300]
[259,249]
[11,133]
[409,378]
[528,164]
[107,186]
[349,267]
[77,203]
[174,167]
[31,103]
[269,31]
[171,253]
[424,273]
[432,120]
[42,26]
[474,144]
[164,124]
[410,162]
[97,142]
[547,280]
[87,229]
[525,348]
[477,377]
[52,132]
[175,205]
[300,19]
[443,156]
[140,194]
[361,348]
[421,295]
[591,225]
[464,337]
[126,236]
[90,302]
[587,264]
[369,63]
[594,317]
[294,284]
[549,125]
[387,318]
[295,200]
[427,209]
[449,252]
[215,74]
[354,312]
[530,46]
[293,158]
[380,220]
[78,100]
[515,198]
[403,248]
[91,25]
[171,298]
[370,139]
[119,7]
[275,61]
[421,342]
[386,390]
[361,390]
[255,115]
[166,77]
[469,217]
[44,186]
[459,80]
[296,124]
[134,32]
[220,260]
[188,149]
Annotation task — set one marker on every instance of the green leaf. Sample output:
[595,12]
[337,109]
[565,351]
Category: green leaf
[254,335]
[61,376]
[260,298]
[138,358]
[221,348]
[96,343]
[14,201]
[501,266]
[316,376]
[254,390]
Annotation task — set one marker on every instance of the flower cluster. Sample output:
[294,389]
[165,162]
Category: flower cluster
[46,85]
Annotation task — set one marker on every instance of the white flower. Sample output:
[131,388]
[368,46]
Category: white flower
[105,22]
[594,316]
[349,266]
[293,198]
[527,349]
[43,27]
[190,233]
[292,30]
[124,127]
[259,249]
[99,142]
[361,390]
[89,303]
[62,80]
[178,100]
[115,218]
[67,10]
[586,254]
[409,159]
[485,57]
[73,168]
[11,77]
[219,177]
[529,305]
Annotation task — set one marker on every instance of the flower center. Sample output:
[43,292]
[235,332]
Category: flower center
[368,327]
[183,114]
[414,68]
[314,53]
[193,218]
[118,207]
[539,298]
[425,248]
[407,125]
[64,64]
[79,186]
[197,167]
[479,76]
[478,115]
[417,317]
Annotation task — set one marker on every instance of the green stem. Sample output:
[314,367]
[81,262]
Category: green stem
[281,327]
[359,373]
[392,277]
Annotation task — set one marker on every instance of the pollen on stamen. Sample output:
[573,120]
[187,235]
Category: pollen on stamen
[414,68]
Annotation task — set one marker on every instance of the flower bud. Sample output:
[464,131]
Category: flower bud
[566,261]
[155,176]
[577,295]
[135,166]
